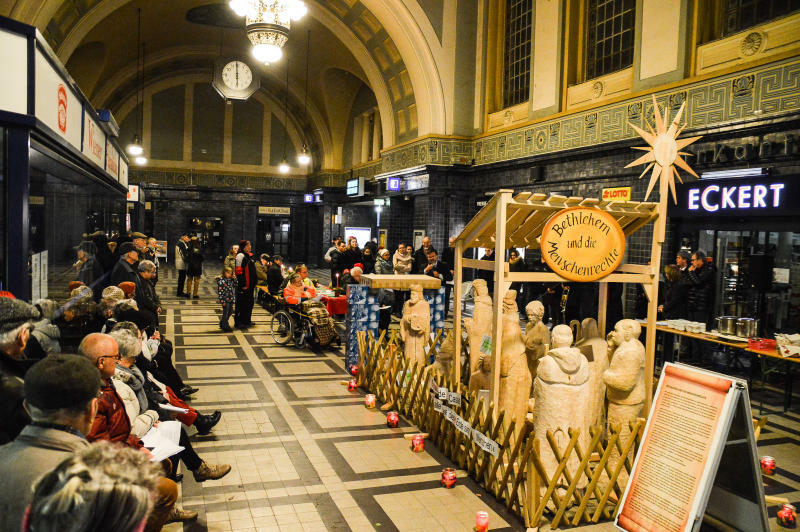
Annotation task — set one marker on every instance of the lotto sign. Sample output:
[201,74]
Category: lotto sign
[616,194]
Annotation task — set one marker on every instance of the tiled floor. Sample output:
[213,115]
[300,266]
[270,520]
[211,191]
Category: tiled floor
[308,456]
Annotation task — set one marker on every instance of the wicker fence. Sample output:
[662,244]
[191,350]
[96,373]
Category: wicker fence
[516,476]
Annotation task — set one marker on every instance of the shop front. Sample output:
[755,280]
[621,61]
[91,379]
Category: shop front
[63,174]
[749,227]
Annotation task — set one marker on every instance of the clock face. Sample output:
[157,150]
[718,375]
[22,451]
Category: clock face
[237,75]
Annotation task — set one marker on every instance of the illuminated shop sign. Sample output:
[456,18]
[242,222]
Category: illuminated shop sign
[739,197]
[394,183]
[308,198]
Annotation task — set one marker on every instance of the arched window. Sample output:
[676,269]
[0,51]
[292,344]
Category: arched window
[517,54]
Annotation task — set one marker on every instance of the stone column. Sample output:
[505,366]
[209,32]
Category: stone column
[365,137]
[376,134]
[358,125]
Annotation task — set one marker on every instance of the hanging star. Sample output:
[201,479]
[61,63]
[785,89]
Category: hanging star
[664,150]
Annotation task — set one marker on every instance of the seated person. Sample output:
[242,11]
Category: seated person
[108,487]
[296,291]
[149,392]
[302,271]
[61,395]
[112,423]
[352,277]
[262,266]
[275,275]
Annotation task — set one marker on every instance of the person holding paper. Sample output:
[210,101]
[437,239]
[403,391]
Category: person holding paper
[296,291]
[61,393]
[112,422]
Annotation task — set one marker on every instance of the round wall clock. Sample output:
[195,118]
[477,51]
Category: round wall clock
[234,79]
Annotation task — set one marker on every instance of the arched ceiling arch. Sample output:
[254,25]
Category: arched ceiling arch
[179,61]
[395,49]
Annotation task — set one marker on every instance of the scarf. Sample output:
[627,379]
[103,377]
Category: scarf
[133,377]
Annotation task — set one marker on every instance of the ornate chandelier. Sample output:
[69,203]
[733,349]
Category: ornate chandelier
[267,23]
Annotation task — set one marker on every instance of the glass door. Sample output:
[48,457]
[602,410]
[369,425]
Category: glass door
[273,235]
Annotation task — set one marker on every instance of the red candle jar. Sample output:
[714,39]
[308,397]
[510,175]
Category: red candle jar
[352,385]
[369,400]
[392,419]
[418,443]
[354,370]
[787,516]
[482,522]
[768,465]
[449,477]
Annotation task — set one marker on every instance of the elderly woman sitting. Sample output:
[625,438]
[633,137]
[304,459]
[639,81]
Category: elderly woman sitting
[296,291]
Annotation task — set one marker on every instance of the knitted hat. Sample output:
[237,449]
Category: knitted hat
[61,381]
[137,234]
[15,312]
[128,287]
[113,292]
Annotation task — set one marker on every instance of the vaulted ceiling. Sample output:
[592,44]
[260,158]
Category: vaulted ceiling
[391,46]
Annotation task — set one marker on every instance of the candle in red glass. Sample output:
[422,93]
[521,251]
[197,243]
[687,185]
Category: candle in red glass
[369,401]
[337,280]
[392,419]
[354,370]
[482,522]
[352,385]
[449,477]
[787,516]
[418,443]
[768,465]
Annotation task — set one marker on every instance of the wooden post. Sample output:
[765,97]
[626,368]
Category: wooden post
[499,289]
[602,307]
[457,279]
[659,233]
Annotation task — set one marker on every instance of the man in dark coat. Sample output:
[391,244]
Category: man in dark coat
[338,261]
[246,279]
[146,296]
[700,278]
[436,268]
[275,276]
[103,252]
[421,256]
[487,275]
[125,269]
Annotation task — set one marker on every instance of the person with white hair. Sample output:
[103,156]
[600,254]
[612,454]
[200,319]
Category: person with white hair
[352,277]
[100,487]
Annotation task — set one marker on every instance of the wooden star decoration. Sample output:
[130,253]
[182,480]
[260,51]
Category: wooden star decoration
[663,153]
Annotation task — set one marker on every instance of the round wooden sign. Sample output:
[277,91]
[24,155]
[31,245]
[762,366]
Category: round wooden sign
[582,243]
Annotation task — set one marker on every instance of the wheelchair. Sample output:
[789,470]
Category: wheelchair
[294,323]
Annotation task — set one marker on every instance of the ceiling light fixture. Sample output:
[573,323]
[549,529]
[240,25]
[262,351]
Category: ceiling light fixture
[135,149]
[140,160]
[303,157]
[267,23]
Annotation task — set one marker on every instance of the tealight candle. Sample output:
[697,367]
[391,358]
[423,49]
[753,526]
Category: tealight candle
[354,370]
[482,522]
[449,477]
[787,516]
[392,419]
[352,385]
[768,465]
[369,400]
[418,443]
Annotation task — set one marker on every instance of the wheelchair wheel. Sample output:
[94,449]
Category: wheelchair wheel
[282,328]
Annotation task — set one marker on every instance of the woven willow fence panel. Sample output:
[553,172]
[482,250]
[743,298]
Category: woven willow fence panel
[516,477]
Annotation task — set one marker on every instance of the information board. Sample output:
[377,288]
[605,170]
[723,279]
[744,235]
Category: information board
[698,457]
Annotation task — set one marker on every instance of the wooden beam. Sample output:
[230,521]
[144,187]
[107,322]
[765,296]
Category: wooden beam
[457,279]
[504,196]
[602,306]
[544,277]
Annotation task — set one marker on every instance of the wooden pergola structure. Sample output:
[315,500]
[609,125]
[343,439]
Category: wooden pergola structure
[509,221]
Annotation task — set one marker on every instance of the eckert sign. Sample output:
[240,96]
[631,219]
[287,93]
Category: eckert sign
[582,243]
[738,197]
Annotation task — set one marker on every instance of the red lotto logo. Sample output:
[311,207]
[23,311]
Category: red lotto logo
[62,108]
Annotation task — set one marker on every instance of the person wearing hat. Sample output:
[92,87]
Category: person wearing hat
[103,253]
[181,253]
[262,266]
[125,269]
[140,241]
[16,319]
[62,396]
